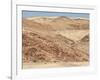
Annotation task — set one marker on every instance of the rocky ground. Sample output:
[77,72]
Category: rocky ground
[46,42]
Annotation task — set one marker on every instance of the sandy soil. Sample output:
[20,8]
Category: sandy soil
[54,65]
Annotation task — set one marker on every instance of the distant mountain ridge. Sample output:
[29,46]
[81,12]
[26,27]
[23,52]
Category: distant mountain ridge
[59,22]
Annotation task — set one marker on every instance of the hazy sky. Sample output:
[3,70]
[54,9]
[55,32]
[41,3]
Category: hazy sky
[44,13]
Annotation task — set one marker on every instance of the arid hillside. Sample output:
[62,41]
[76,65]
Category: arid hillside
[55,40]
[56,23]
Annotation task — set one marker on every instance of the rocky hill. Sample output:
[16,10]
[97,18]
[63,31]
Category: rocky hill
[41,43]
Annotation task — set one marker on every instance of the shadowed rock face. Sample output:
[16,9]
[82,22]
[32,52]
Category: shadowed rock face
[85,38]
[41,46]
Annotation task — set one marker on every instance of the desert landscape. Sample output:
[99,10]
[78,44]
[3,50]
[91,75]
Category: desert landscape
[55,41]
